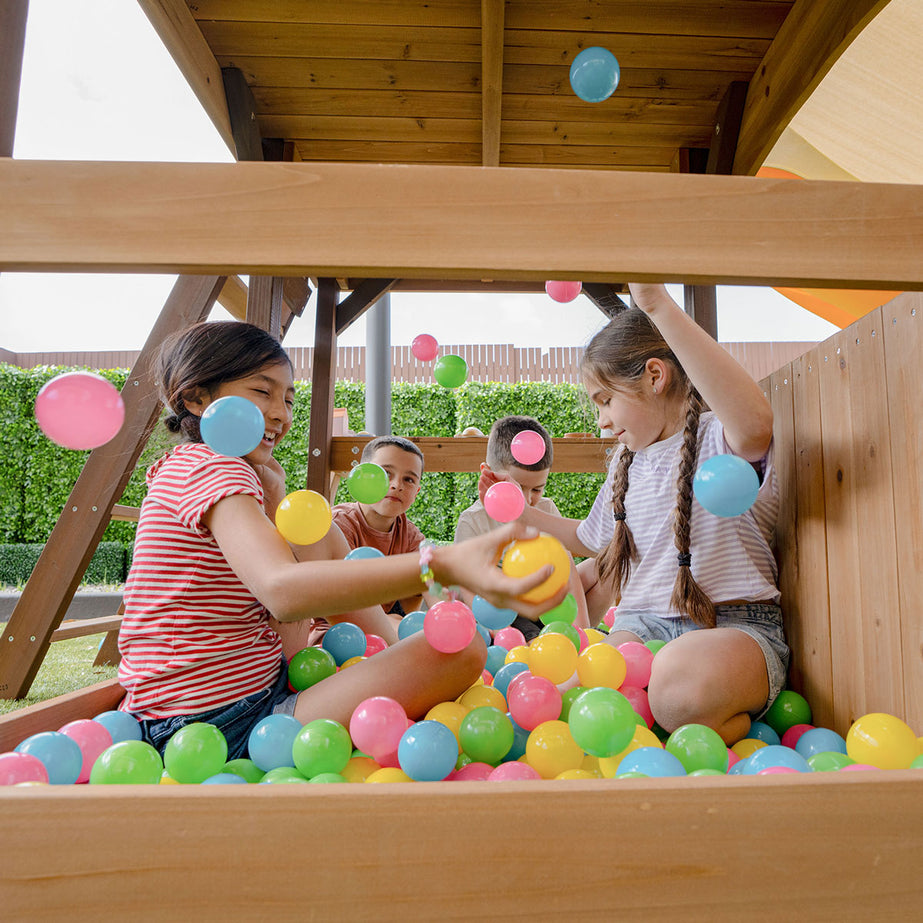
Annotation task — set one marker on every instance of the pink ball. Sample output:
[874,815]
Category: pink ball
[584,640]
[376,726]
[473,772]
[513,771]
[21,767]
[79,410]
[424,347]
[504,501]
[638,699]
[609,617]
[857,767]
[776,770]
[732,758]
[638,663]
[92,738]
[527,447]
[375,644]
[792,735]
[563,291]
[532,700]
[487,677]
[449,626]
[508,638]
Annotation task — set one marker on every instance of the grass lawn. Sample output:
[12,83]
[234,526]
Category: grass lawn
[67,667]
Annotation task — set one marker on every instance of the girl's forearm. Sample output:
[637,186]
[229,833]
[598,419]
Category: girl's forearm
[564,530]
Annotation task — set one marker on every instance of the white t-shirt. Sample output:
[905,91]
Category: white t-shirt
[475,521]
[732,557]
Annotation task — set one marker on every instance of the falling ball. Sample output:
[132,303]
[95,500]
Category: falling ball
[450,371]
[424,347]
[303,517]
[232,425]
[726,485]
[367,482]
[527,447]
[562,291]
[80,410]
[504,501]
[594,74]
[526,556]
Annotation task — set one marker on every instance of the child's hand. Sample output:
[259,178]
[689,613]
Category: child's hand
[487,480]
[272,477]
[649,296]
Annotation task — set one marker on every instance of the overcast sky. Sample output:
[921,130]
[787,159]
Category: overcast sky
[98,85]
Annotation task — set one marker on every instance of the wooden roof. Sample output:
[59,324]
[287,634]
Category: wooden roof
[483,82]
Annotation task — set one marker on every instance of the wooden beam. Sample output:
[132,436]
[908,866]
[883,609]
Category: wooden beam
[323,378]
[233,297]
[812,38]
[242,111]
[86,514]
[264,304]
[80,628]
[492,21]
[458,222]
[606,297]
[181,36]
[13,16]
[362,297]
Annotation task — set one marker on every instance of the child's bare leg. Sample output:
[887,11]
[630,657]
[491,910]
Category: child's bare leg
[597,593]
[412,672]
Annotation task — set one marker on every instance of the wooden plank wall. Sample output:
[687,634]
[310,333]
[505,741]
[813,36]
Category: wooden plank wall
[849,437]
[486,362]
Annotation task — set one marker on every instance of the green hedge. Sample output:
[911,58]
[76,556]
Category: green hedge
[36,475]
[108,565]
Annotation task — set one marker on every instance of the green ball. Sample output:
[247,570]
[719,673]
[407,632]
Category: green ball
[327,777]
[195,752]
[486,734]
[789,709]
[602,721]
[367,482]
[246,769]
[654,645]
[129,762]
[829,761]
[698,747]
[704,772]
[567,701]
[450,371]
[322,745]
[563,628]
[565,611]
[310,666]
[916,763]
[463,760]
[282,775]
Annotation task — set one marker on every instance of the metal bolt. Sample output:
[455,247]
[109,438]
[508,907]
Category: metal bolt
[95,509]
[315,452]
[73,509]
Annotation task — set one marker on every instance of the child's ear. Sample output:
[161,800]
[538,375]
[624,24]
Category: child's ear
[484,467]
[196,400]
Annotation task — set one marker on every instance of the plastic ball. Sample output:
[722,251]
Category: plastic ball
[449,626]
[747,747]
[791,737]
[60,754]
[526,556]
[594,74]
[17,767]
[304,517]
[388,774]
[282,775]
[639,702]
[819,740]
[326,778]
[602,721]
[882,740]
[490,616]
[518,654]
[195,752]
[410,624]
[245,768]
[224,778]
[652,762]
[270,741]
[367,482]
[472,772]
[642,737]
[551,749]
[568,697]
[565,611]
[775,755]
[533,700]
[92,738]
[344,640]
[309,666]
[450,371]
[654,645]
[638,659]
[504,501]
[601,665]
[322,745]
[480,695]
[232,425]
[509,638]
[561,628]
[427,751]
[514,771]
[120,725]
[128,762]
[486,734]
[759,730]
[359,768]
[363,552]
[726,485]
[527,447]
[829,761]
[786,711]
[505,674]
[563,292]
[451,714]
[80,410]
[424,347]
[553,656]
[496,658]
[376,726]
[698,747]
[374,644]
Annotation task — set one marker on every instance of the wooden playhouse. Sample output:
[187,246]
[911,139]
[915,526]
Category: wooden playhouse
[497,208]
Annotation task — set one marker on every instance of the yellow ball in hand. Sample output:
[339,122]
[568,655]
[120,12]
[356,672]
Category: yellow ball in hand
[304,517]
[528,555]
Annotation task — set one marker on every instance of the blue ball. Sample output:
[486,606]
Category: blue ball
[120,725]
[232,425]
[60,754]
[270,741]
[363,552]
[410,624]
[427,751]
[594,74]
[651,761]
[775,755]
[343,641]
[505,674]
[520,739]
[819,740]
[224,778]
[759,730]
[484,633]
[726,485]
[490,616]
[496,658]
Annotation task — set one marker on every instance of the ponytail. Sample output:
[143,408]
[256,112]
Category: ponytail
[614,561]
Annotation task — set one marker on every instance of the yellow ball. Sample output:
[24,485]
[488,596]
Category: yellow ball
[477,696]
[352,661]
[451,714]
[643,737]
[551,749]
[577,774]
[528,555]
[601,665]
[882,740]
[388,774]
[518,654]
[594,636]
[304,517]
[359,768]
[553,656]
[748,746]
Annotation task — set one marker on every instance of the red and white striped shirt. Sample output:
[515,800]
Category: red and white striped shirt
[193,637]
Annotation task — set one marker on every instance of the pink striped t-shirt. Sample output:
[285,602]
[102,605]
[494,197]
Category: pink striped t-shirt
[193,637]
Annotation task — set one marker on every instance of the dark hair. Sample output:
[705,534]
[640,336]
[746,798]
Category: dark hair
[399,441]
[499,451]
[617,356]
[204,356]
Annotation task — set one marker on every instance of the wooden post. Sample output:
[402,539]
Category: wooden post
[13,14]
[264,304]
[323,378]
[86,514]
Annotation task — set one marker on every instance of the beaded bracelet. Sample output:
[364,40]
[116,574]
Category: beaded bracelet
[428,578]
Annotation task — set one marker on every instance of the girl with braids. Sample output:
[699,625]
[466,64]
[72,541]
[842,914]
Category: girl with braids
[197,642]
[672,397]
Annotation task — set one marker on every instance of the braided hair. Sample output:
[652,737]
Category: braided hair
[617,356]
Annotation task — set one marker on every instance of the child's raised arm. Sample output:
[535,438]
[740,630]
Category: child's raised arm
[727,388]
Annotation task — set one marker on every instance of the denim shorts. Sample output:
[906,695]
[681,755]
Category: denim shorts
[761,621]
[235,721]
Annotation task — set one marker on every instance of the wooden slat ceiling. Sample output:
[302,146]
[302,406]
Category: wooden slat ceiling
[420,82]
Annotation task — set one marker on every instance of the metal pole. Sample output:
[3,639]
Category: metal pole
[378,367]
